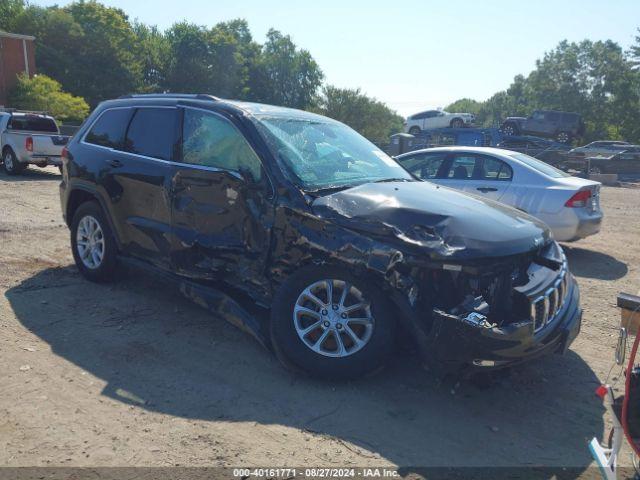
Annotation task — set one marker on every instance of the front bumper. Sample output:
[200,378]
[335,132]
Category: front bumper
[455,343]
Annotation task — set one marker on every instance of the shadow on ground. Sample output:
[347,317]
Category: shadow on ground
[159,352]
[593,264]
[31,174]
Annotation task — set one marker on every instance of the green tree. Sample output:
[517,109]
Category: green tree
[153,51]
[464,105]
[205,60]
[42,93]
[371,118]
[284,74]
[90,48]
[10,10]
[596,79]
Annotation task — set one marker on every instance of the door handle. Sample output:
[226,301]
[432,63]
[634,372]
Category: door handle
[487,189]
[115,163]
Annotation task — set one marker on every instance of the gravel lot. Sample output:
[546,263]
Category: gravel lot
[134,374]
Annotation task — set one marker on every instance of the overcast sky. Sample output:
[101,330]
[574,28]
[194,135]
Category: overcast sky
[412,54]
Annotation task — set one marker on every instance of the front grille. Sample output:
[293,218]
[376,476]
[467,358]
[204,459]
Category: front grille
[545,308]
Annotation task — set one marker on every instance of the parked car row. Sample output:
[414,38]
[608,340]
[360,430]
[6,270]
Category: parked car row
[345,246]
[29,138]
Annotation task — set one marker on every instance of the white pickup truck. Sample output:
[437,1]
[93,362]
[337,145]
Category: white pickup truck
[29,138]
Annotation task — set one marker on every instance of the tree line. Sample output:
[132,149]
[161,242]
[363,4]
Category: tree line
[598,79]
[96,52]
[93,52]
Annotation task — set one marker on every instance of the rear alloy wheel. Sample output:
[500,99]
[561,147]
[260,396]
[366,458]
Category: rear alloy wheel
[94,248]
[563,137]
[595,170]
[11,164]
[457,123]
[414,130]
[330,324]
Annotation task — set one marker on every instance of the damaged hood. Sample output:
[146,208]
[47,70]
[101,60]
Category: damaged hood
[444,223]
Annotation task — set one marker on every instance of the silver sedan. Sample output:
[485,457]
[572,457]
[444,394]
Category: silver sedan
[569,205]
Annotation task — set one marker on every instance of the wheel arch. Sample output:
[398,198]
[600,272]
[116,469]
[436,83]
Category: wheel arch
[80,195]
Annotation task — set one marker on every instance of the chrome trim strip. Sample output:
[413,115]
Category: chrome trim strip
[558,293]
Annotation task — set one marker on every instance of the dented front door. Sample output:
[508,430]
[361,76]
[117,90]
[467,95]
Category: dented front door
[221,211]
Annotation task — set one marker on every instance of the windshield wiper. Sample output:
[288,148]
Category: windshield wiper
[385,180]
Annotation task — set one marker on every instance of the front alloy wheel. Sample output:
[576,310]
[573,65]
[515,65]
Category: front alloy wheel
[332,324]
[333,318]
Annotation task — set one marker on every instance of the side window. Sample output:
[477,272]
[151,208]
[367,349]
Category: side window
[211,141]
[109,130]
[152,133]
[538,116]
[462,167]
[494,169]
[424,166]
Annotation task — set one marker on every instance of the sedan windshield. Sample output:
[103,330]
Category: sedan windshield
[325,154]
[539,165]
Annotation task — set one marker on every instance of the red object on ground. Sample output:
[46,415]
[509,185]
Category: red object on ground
[625,402]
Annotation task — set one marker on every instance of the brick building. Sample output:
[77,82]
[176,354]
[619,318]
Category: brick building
[17,55]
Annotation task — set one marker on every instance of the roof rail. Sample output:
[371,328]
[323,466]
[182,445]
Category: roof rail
[197,96]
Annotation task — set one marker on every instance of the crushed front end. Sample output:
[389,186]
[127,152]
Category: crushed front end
[495,312]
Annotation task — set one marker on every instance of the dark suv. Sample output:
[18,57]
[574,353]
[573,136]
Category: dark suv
[313,222]
[561,126]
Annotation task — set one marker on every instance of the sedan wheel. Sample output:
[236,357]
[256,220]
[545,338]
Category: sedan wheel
[457,123]
[595,170]
[563,137]
[333,318]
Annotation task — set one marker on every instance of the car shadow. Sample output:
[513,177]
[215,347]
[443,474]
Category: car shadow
[31,174]
[593,264]
[157,351]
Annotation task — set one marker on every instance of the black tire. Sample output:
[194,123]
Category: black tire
[597,170]
[10,163]
[105,270]
[414,130]
[456,123]
[510,129]
[295,354]
[563,137]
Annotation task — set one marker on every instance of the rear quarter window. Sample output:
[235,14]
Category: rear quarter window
[109,129]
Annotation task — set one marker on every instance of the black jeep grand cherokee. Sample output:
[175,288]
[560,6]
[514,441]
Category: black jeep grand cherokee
[314,222]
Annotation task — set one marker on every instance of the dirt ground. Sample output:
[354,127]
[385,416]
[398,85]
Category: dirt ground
[134,374]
